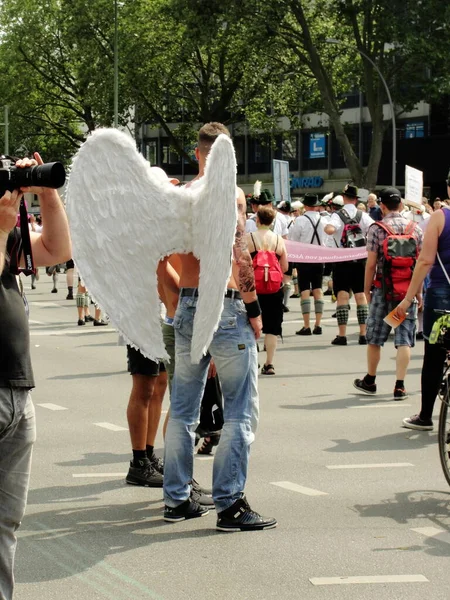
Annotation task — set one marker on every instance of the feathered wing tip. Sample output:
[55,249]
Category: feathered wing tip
[214,231]
[257,189]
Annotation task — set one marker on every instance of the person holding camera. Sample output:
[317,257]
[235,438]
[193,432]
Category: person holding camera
[17,419]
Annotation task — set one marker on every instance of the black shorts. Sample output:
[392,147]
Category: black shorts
[309,276]
[140,365]
[69,264]
[291,267]
[271,312]
[328,269]
[349,276]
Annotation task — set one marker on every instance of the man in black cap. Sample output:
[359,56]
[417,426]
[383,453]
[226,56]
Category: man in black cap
[349,227]
[386,295]
[309,229]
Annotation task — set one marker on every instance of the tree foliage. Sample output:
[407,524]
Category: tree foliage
[193,61]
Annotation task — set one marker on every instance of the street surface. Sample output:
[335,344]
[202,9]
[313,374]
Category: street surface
[362,504]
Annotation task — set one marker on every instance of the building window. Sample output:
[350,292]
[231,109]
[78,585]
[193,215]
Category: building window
[289,145]
[150,152]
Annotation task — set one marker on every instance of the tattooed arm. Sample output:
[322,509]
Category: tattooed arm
[242,264]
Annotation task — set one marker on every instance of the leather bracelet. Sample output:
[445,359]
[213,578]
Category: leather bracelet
[253,309]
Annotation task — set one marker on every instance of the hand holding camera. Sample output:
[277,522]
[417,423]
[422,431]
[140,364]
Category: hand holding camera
[30,175]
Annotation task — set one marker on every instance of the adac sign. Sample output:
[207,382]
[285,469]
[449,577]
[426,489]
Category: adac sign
[306,182]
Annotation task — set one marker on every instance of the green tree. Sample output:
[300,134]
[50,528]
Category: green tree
[399,36]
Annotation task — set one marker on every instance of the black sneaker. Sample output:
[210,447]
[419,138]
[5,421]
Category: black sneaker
[334,315]
[157,463]
[416,422]
[145,474]
[99,323]
[199,495]
[294,296]
[189,509]
[304,331]
[364,387]
[81,322]
[285,308]
[400,394]
[362,341]
[89,319]
[54,291]
[317,330]
[328,293]
[69,296]
[339,340]
[240,517]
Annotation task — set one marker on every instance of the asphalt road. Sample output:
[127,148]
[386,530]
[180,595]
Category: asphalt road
[362,504]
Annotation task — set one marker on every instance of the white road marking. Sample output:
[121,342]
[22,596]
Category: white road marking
[42,304]
[71,331]
[51,406]
[370,466]
[92,475]
[293,487]
[433,532]
[200,457]
[387,405]
[368,579]
[111,426]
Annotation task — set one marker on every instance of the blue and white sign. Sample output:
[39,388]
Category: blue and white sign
[317,145]
[414,130]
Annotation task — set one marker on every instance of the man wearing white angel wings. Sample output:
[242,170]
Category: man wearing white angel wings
[129,221]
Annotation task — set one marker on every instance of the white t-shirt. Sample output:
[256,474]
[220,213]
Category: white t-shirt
[280,227]
[338,223]
[303,228]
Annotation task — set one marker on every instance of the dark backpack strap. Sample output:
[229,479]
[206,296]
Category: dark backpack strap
[315,227]
[358,216]
[344,216]
[253,240]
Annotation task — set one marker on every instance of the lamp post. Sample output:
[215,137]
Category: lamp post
[116,69]
[391,104]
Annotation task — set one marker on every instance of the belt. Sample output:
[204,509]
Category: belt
[193,292]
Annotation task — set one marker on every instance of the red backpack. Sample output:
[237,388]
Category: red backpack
[400,252]
[268,274]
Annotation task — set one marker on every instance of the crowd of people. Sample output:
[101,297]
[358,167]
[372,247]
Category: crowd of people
[217,399]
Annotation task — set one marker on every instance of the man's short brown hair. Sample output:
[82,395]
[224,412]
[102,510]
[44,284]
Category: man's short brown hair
[266,214]
[208,134]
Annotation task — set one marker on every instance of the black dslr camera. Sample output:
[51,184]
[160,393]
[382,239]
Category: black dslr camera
[50,175]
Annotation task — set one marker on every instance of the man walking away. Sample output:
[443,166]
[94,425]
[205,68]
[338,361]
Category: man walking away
[393,245]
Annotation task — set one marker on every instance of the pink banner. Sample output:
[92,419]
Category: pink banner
[309,253]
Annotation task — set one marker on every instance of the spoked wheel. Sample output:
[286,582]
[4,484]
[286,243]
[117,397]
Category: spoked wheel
[444,432]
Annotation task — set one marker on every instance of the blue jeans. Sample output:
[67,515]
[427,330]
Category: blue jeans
[17,435]
[233,349]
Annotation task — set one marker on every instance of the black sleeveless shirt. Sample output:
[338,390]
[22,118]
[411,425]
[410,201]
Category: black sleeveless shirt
[15,361]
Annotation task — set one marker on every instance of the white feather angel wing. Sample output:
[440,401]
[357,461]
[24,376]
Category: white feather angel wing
[123,221]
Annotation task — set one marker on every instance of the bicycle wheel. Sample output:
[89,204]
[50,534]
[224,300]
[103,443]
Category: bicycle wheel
[444,434]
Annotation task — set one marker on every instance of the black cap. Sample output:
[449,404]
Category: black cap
[391,194]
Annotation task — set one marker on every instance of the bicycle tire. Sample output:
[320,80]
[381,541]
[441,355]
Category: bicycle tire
[444,435]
